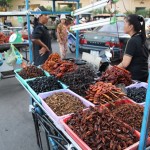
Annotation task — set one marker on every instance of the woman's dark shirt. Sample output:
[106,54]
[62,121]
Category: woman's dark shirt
[139,53]
[41,32]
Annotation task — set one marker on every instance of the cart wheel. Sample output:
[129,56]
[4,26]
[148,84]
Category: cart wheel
[72,48]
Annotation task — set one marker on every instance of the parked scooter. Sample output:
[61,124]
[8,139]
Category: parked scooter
[106,56]
[71,42]
[148,33]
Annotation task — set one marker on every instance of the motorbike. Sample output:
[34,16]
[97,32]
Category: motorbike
[71,42]
[105,56]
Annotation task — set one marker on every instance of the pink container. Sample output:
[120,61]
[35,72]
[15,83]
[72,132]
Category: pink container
[120,102]
[83,145]
[50,112]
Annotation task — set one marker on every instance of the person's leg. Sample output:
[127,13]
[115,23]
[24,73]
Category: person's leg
[62,51]
[65,48]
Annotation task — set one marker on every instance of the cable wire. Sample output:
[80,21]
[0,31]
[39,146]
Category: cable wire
[124,6]
[117,28]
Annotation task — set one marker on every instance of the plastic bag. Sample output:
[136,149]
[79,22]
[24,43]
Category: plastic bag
[1,59]
[13,56]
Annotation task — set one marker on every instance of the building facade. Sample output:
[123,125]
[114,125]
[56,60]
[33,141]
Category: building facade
[122,6]
[132,5]
[20,4]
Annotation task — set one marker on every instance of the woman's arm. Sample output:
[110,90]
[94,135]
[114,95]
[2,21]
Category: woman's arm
[126,61]
[40,43]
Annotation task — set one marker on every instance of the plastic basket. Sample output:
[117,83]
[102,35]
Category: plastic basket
[35,95]
[82,144]
[119,102]
[50,112]
[122,102]
[23,80]
[138,85]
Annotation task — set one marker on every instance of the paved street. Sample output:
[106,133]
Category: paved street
[55,48]
[16,124]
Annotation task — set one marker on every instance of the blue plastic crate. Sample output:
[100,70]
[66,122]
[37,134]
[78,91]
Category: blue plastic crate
[23,80]
[18,76]
[34,94]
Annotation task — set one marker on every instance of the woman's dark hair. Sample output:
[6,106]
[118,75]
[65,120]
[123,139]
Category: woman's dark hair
[35,22]
[138,23]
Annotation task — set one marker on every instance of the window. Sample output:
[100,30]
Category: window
[21,7]
[137,9]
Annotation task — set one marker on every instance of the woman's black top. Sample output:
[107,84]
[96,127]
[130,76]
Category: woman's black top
[139,53]
[41,32]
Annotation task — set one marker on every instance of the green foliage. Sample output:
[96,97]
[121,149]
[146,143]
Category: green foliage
[97,11]
[5,3]
[70,5]
[142,12]
[104,11]
[148,13]
[65,8]
[129,12]
[49,8]
[100,11]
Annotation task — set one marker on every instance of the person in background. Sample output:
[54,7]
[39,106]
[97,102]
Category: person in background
[26,26]
[82,20]
[136,54]
[41,38]
[62,36]
[7,22]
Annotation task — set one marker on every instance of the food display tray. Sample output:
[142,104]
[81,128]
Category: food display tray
[34,94]
[50,112]
[23,80]
[82,144]
[138,85]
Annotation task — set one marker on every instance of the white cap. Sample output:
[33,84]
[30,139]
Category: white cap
[38,9]
[37,15]
[147,24]
[62,16]
[82,20]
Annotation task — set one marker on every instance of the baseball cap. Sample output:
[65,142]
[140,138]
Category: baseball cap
[38,9]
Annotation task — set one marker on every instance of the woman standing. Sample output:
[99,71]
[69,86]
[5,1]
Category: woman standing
[41,38]
[136,54]
[62,36]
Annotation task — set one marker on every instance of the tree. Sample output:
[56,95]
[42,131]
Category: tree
[5,3]
[148,13]
[145,13]
[65,8]
[49,8]
[129,12]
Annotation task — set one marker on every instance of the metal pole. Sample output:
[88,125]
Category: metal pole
[144,129]
[54,6]
[77,34]
[29,34]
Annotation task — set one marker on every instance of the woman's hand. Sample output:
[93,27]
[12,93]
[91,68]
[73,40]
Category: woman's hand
[23,65]
[43,50]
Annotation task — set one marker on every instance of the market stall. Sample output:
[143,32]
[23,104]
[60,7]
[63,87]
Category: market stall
[60,108]
[78,112]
